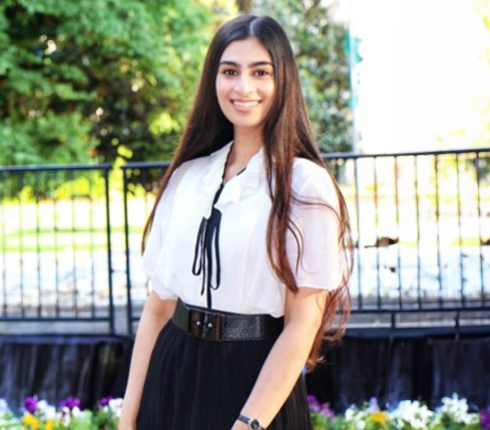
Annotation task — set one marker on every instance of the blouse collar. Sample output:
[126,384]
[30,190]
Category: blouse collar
[236,188]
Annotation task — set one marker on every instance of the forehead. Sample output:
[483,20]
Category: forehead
[246,51]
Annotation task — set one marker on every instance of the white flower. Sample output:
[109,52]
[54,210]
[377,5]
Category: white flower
[473,418]
[456,409]
[360,424]
[41,405]
[115,405]
[75,411]
[349,413]
[356,416]
[3,406]
[46,410]
[417,415]
[66,416]
[65,411]
[50,413]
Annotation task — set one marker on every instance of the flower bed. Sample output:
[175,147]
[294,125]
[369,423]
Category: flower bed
[39,415]
[452,415]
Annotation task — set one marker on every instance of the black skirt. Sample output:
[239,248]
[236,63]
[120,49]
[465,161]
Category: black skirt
[195,384]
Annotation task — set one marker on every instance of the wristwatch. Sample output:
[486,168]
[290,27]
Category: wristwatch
[253,423]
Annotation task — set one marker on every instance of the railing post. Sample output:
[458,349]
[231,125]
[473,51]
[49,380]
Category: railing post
[109,250]
[358,226]
[129,306]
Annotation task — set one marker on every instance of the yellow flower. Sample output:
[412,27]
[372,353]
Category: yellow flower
[379,417]
[31,421]
[49,425]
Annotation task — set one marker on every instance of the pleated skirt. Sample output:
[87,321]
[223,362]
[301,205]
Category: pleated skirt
[195,384]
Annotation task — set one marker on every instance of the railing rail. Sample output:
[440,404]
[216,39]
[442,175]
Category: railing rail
[349,155]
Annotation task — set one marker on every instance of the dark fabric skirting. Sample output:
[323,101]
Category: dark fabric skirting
[194,384]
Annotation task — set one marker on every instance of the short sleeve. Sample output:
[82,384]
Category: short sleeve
[153,256]
[317,233]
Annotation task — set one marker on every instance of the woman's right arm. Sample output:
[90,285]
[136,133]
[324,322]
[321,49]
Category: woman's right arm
[156,314]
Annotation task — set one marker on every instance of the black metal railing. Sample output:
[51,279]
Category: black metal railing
[420,221]
[422,235]
[421,224]
[56,254]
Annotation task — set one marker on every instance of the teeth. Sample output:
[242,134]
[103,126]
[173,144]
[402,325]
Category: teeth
[245,104]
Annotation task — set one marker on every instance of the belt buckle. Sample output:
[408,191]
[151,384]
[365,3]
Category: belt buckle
[211,327]
[196,322]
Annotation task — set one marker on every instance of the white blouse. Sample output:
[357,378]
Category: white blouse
[245,282]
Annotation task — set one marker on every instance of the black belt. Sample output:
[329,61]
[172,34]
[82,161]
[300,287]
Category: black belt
[225,326]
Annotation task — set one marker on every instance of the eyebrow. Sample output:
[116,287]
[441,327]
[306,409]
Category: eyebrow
[255,64]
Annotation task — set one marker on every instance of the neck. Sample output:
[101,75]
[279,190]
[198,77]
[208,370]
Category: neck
[246,144]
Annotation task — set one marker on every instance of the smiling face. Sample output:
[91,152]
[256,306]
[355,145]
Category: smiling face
[245,84]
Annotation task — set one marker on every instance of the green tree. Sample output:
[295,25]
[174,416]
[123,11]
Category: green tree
[98,78]
[319,44]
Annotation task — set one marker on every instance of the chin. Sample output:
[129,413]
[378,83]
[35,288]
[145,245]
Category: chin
[240,122]
[246,127]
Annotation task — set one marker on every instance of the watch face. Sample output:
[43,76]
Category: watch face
[255,425]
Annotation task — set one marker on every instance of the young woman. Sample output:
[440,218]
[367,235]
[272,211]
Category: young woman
[245,250]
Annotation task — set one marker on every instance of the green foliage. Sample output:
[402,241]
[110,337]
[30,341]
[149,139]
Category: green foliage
[105,80]
[98,79]
[319,44]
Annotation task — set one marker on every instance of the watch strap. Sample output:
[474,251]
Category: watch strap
[252,423]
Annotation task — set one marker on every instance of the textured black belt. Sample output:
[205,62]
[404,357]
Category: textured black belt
[224,326]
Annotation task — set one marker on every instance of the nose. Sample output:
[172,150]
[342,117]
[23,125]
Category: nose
[243,85]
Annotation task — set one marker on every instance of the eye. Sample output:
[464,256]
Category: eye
[229,72]
[261,72]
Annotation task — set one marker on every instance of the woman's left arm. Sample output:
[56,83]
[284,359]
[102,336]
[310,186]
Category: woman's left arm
[284,364]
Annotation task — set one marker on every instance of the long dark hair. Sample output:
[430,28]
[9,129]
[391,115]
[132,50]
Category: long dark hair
[286,134]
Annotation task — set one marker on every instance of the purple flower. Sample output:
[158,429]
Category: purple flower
[325,410]
[105,401]
[30,404]
[312,400]
[485,418]
[373,405]
[314,405]
[70,403]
